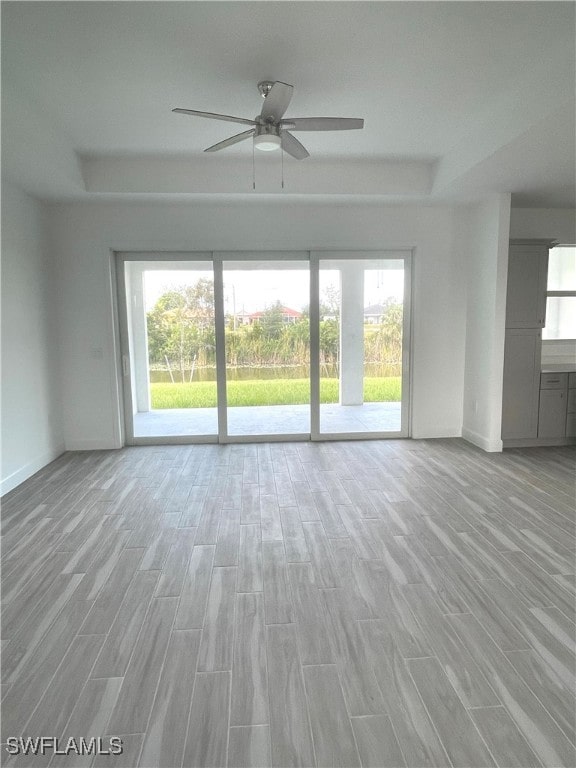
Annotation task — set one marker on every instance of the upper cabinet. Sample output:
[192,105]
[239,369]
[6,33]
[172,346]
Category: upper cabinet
[527,277]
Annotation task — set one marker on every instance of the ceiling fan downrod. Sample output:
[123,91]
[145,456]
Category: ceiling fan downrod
[264,87]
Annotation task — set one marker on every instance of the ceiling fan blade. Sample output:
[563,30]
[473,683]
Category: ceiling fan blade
[323,123]
[291,145]
[230,141]
[215,116]
[277,101]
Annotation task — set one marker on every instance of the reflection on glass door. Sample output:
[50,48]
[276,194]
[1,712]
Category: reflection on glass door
[267,340]
[363,358]
[170,308]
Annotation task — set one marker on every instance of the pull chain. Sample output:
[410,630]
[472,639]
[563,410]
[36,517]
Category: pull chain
[254,167]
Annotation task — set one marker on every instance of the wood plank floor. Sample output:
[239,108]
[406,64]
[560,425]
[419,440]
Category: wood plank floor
[376,604]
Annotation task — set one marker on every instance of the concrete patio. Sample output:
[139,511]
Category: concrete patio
[270,420]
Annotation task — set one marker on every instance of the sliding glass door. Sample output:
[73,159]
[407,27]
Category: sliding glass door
[363,344]
[267,345]
[169,348]
[234,347]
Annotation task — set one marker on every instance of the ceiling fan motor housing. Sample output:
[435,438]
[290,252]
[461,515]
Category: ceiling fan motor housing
[266,129]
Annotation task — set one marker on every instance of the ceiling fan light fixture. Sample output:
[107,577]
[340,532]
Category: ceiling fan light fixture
[267,142]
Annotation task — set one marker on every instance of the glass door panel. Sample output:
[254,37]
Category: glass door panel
[362,351]
[171,334]
[267,345]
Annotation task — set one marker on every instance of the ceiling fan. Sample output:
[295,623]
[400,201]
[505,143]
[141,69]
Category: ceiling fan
[270,129]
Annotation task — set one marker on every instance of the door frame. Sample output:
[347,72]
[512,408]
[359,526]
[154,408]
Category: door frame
[397,254]
[127,363]
[217,258]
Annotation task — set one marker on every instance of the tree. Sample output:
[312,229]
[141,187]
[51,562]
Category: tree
[330,302]
[384,344]
[272,322]
[329,340]
[181,326]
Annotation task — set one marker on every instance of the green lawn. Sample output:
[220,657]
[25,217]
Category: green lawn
[202,394]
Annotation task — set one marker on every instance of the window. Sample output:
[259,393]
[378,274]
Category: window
[561,294]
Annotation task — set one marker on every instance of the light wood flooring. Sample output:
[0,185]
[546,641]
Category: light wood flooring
[386,603]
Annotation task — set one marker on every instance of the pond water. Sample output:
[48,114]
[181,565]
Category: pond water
[246,373]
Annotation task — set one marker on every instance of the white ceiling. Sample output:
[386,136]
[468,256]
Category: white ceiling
[459,98]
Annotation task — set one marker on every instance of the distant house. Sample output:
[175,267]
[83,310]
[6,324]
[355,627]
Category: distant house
[242,318]
[373,313]
[288,316]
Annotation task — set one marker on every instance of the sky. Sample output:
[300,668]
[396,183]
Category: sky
[253,290]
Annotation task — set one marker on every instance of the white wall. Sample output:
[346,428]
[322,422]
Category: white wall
[32,432]
[558,352]
[544,223]
[85,233]
[483,233]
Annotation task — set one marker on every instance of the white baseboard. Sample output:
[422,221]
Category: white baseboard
[29,469]
[430,434]
[491,446]
[540,442]
[92,445]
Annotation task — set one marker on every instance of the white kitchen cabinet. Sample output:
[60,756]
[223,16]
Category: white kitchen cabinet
[552,413]
[554,380]
[538,408]
[521,383]
[527,279]
[571,407]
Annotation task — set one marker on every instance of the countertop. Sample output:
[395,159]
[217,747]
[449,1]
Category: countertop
[558,368]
